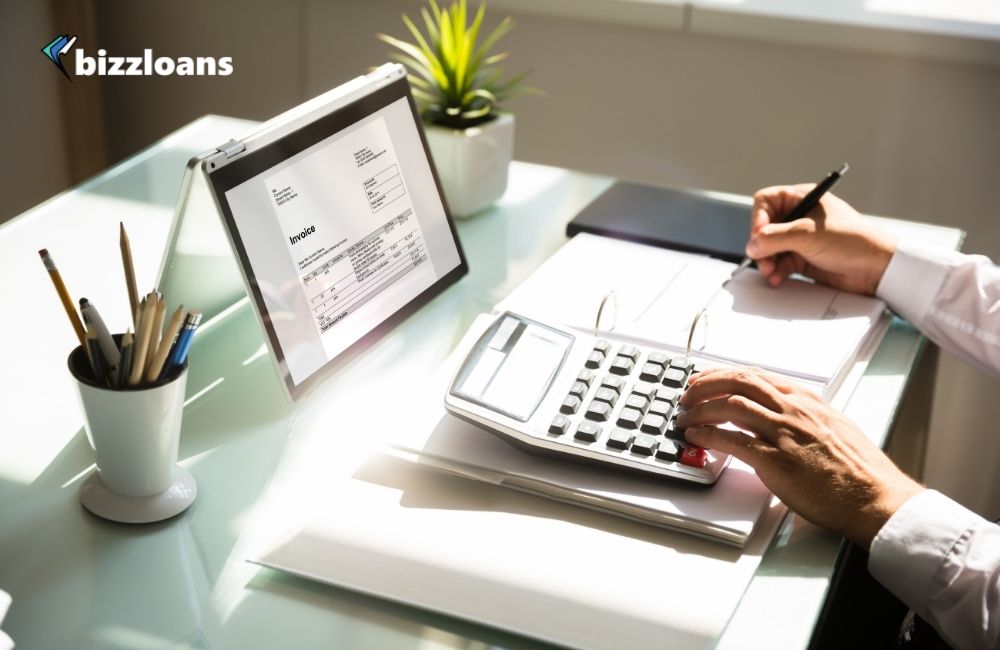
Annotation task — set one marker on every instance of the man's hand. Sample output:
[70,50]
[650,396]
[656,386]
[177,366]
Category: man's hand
[834,245]
[812,457]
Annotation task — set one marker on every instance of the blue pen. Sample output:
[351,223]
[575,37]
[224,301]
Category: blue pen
[180,351]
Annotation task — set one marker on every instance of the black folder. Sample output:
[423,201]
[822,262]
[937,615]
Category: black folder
[682,220]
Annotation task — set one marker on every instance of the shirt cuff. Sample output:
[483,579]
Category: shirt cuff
[913,279]
[914,543]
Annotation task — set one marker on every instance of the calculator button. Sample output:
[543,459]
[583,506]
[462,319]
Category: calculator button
[620,438]
[629,351]
[673,431]
[694,457]
[674,377]
[587,432]
[646,390]
[668,395]
[570,405]
[651,372]
[614,383]
[659,358]
[659,407]
[598,411]
[637,402]
[668,450]
[586,377]
[629,418]
[644,445]
[688,368]
[578,388]
[622,366]
[595,360]
[602,346]
[606,395]
[560,424]
[654,424]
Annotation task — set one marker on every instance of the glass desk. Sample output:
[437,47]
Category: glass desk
[80,582]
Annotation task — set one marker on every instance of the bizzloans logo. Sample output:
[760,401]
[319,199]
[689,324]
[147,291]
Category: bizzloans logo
[146,65]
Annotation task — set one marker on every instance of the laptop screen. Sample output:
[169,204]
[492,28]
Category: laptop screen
[341,227]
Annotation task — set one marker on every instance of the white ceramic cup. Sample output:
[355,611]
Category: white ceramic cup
[134,432]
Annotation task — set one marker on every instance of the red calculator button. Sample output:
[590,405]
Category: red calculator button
[694,457]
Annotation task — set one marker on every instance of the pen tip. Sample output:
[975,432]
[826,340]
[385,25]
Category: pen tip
[843,169]
[83,301]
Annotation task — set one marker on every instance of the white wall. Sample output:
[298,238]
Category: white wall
[650,104]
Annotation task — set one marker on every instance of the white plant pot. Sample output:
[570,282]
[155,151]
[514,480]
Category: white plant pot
[473,163]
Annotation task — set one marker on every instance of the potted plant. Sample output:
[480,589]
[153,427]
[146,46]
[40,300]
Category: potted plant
[459,84]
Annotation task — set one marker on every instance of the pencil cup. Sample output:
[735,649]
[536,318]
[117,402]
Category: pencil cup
[134,434]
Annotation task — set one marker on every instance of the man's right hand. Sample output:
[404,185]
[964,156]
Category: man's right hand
[834,244]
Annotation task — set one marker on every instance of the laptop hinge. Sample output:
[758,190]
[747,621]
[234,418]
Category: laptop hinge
[232,148]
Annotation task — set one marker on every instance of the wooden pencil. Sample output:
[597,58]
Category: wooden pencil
[173,327]
[129,268]
[141,341]
[159,307]
[64,297]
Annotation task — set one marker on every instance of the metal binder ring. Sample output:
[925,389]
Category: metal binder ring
[600,311]
[701,315]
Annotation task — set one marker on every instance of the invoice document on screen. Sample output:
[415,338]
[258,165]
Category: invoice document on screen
[801,329]
[353,235]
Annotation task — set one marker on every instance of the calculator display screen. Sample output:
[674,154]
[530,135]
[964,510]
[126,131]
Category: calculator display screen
[511,370]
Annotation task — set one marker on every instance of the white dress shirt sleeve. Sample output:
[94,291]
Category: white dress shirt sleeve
[954,299]
[936,556]
[944,562]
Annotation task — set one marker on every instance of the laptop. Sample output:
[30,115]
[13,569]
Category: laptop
[336,216]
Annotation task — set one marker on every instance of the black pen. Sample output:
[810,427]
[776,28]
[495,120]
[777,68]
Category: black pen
[807,203]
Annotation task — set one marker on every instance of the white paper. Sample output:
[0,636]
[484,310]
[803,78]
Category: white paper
[800,329]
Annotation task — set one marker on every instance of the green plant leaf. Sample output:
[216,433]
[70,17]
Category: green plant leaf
[448,49]
[477,113]
[428,52]
[490,41]
[423,96]
[478,92]
[496,58]
[415,66]
[420,82]
[432,29]
[433,65]
[467,68]
[437,11]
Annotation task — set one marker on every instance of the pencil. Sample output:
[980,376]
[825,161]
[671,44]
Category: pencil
[133,293]
[173,327]
[141,341]
[125,365]
[156,330]
[67,302]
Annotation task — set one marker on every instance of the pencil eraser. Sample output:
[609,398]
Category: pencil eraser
[44,252]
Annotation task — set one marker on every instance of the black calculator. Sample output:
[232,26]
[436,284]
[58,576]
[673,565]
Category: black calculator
[581,397]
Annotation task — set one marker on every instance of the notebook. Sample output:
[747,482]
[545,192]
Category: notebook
[711,223]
